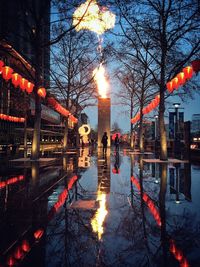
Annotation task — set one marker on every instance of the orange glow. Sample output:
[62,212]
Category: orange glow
[181,78]
[89,16]
[7,73]
[102,84]
[99,217]
[41,92]
[188,71]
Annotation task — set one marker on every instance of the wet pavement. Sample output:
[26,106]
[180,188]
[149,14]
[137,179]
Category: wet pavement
[86,209]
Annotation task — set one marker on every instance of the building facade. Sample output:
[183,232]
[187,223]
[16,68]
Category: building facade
[195,123]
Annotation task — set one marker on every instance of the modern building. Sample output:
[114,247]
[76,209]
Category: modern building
[18,28]
[195,123]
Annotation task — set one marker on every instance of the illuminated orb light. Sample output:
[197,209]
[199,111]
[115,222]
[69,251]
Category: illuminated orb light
[89,16]
[100,79]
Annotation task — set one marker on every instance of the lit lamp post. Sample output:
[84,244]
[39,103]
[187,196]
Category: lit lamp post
[176,132]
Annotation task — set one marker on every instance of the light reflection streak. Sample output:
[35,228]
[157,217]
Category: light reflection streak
[99,217]
[23,248]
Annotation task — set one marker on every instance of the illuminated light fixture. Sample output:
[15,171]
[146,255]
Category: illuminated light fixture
[181,78]
[18,254]
[16,78]
[38,234]
[176,105]
[29,87]
[170,87]
[41,92]
[7,73]
[11,261]
[188,71]
[25,246]
[23,84]
[175,83]
[1,66]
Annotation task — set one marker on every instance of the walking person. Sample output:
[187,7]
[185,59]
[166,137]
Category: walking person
[104,141]
[117,142]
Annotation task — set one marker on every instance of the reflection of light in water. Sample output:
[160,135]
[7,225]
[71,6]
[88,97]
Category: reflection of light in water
[99,217]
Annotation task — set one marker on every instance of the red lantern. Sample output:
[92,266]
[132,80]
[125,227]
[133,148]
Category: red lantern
[170,87]
[188,71]
[16,79]
[1,66]
[38,234]
[18,254]
[23,84]
[25,246]
[29,87]
[41,92]
[196,65]
[175,83]
[11,261]
[7,73]
[184,263]
[181,78]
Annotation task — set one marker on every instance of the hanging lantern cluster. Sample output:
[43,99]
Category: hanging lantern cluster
[180,78]
[16,79]
[11,118]
[178,254]
[12,180]
[60,109]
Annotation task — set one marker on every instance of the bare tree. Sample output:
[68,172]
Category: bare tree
[168,31]
[73,64]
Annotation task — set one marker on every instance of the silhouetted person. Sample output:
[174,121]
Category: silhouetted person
[117,142]
[104,141]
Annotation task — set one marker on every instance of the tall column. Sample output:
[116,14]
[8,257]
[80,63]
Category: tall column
[103,119]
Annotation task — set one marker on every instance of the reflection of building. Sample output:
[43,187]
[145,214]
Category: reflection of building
[172,124]
[180,181]
[195,123]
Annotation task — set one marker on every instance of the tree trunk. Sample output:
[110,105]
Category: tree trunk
[65,137]
[36,133]
[162,194]
[141,138]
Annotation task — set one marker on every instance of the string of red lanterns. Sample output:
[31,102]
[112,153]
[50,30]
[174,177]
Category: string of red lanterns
[151,106]
[11,118]
[60,109]
[16,79]
[25,85]
[172,85]
[183,76]
[12,180]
